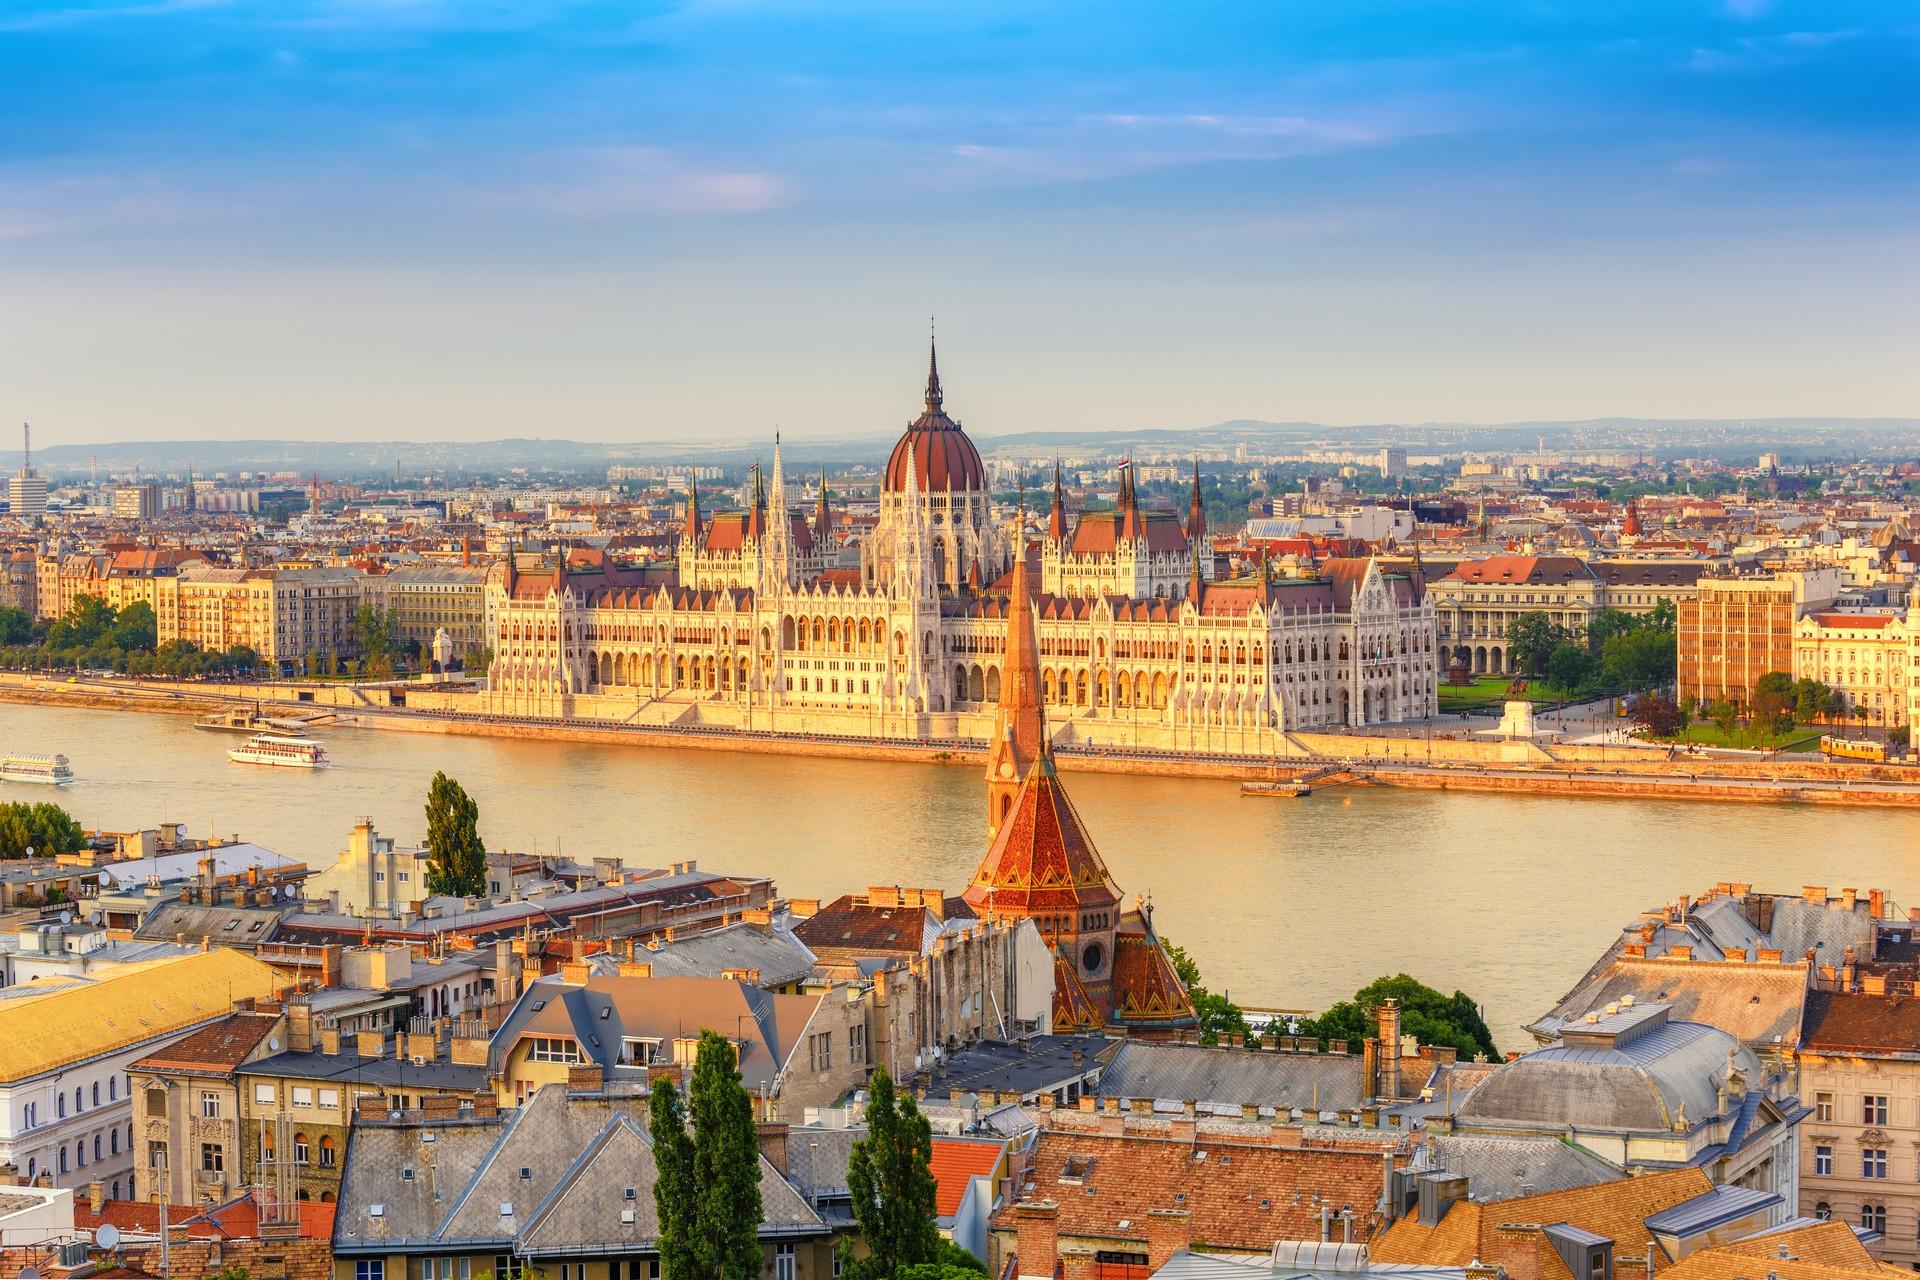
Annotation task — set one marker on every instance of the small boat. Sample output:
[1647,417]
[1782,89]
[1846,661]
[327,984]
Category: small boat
[51,771]
[1286,789]
[245,721]
[279,749]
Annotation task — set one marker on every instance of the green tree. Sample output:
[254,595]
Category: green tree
[890,1176]
[955,1264]
[1639,660]
[86,620]
[707,1192]
[1531,639]
[1569,666]
[456,859]
[135,627]
[16,627]
[373,632]
[1425,1014]
[1724,716]
[1219,1017]
[42,827]
[1608,623]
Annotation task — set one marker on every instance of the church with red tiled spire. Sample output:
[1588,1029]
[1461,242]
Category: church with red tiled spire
[1109,968]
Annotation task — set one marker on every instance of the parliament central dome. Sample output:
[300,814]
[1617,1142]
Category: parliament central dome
[935,446]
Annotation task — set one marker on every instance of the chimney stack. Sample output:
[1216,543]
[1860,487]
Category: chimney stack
[1389,1015]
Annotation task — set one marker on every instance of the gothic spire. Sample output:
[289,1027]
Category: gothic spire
[933,372]
[1057,516]
[1196,509]
[822,516]
[693,507]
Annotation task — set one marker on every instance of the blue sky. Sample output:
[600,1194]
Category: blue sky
[378,219]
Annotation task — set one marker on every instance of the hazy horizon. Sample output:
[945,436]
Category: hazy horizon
[351,220]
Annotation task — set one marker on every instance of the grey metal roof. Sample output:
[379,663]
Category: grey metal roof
[227,925]
[1037,1063]
[1213,1266]
[354,1068]
[1640,1086]
[1501,1168]
[780,957]
[1233,1077]
[561,1166]
[1723,1204]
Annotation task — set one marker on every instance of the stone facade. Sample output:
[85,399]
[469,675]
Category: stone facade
[758,633]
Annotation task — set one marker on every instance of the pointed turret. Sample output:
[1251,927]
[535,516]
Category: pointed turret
[1057,515]
[822,514]
[778,498]
[756,524]
[691,530]
[1019,722]
[1196,510]
[1132,527]
[1196,586]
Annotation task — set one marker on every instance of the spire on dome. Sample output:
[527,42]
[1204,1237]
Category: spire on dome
[933,371]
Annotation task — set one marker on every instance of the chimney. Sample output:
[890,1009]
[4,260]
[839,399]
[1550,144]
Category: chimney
[1168,1232]
[772,1137]
[1849,898]
[1877,903]
[1847,972]
[1389,1015]
[96,1196]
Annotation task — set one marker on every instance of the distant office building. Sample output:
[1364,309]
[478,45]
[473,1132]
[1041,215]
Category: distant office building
[1739,629]
[1393,463]
[137,501]
[27,488]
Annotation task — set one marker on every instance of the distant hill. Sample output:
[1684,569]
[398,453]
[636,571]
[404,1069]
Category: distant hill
[1672,436]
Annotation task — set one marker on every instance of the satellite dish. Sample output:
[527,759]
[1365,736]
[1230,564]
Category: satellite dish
[107,1235]
[273,1044]
[93,917]
[66,917]
[30,1273]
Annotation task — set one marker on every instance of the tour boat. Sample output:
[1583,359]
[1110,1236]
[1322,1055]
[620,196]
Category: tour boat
[50,771]
[274,748]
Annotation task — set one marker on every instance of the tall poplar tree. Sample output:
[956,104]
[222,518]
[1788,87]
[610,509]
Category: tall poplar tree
[456,860]
[890,1175]
[707,1190]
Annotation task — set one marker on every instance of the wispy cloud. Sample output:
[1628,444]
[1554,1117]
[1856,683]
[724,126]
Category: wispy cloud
[72,15]
[75,203]
[605,182]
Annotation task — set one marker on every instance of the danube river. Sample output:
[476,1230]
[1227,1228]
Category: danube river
[1288,903]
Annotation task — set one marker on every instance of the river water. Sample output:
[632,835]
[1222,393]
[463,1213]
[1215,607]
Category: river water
[1285,903]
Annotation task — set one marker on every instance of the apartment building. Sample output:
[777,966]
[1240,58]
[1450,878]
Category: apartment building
[422,600]
[284,615]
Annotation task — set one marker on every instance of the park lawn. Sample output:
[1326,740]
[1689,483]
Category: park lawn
[1492,691]
[1706,734]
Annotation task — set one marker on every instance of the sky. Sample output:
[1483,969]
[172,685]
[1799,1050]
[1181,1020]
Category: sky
[634,220]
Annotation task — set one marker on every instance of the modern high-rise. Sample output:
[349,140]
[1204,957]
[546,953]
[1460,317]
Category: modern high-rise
[27,488]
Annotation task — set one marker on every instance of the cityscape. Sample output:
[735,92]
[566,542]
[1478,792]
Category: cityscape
[1341,708]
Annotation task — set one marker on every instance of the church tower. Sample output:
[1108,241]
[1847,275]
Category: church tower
[1020,722]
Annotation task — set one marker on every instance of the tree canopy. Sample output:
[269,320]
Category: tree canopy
[707,1191]
[890,1176]
[456,859]
[1219,1017]
[43,827]
[1426,1014]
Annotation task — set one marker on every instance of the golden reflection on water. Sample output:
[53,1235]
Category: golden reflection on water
[1290,903]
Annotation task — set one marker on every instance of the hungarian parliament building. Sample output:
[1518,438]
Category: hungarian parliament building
[1140,645]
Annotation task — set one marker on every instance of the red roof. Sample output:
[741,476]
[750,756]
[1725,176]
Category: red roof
[237,1219]
[1867,621]
[955,1161]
